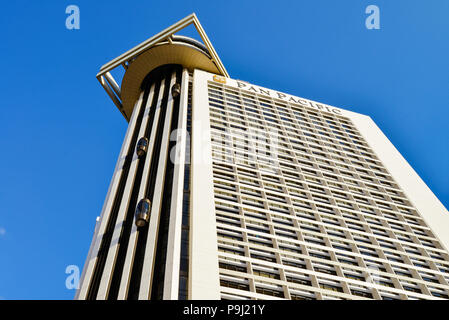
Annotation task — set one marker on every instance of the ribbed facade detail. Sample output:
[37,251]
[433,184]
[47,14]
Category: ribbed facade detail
[138,262]
[306,210]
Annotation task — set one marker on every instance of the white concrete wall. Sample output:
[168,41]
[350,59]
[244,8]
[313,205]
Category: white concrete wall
[431,209]
[203,277]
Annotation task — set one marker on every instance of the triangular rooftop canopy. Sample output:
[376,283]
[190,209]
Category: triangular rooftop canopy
[157,50]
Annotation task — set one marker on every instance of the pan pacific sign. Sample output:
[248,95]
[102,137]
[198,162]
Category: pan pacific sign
[275,94]
[286,97]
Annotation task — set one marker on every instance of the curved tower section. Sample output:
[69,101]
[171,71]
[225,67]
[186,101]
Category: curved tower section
[140,248]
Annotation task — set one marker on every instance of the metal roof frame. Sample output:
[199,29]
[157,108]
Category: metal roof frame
[110,85]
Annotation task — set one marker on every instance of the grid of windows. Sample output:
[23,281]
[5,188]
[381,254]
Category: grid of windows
[305,210]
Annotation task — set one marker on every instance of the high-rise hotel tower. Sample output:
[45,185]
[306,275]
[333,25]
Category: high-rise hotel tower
[228,190]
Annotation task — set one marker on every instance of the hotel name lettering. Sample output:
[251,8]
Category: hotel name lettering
[287,98]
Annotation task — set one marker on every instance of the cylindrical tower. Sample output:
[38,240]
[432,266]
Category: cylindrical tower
[140,245]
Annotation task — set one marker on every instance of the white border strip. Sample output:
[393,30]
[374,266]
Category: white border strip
[203,270]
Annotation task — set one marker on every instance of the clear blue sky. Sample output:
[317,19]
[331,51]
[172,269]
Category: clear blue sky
[60,135]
